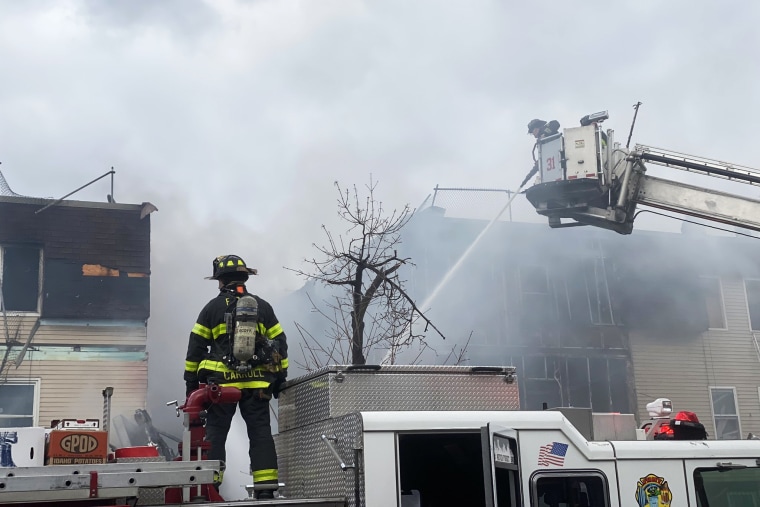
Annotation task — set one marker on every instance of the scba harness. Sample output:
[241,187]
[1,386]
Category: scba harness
[248,347]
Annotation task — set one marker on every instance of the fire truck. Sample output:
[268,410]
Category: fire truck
[424,436]
[415,436]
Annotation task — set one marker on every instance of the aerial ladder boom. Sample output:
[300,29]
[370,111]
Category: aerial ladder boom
[586,177]
[700,165]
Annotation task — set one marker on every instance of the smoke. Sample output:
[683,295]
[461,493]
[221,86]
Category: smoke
[235,118]
[237,474]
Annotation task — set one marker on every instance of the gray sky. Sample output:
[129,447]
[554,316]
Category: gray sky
[273,101]
[235,118]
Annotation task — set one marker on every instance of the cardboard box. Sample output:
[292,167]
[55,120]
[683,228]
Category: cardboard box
[76,447]
[76,424]
[26,445]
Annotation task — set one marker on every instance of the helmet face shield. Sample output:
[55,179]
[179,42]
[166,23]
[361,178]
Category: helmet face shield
[228,264]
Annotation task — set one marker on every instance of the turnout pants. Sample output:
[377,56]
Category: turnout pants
[255,411]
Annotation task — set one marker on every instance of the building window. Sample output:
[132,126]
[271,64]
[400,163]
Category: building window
[753,303]
[20,280]
[537,308]
[569,488]
[562,299]
[534,280]
[598,383]
[598,293]
[18,400]
[716,313]
[725,413]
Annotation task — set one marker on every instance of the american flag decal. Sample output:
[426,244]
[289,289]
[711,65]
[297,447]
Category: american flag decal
[552,454]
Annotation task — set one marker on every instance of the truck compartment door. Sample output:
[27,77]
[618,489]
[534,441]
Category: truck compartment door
[501,466]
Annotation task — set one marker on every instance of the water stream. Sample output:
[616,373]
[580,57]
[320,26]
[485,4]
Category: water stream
[450,273]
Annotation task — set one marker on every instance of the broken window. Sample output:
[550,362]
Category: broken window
[541,386]
[716,315]
[588,296]
[618,375]
[534,280]
[598,293]
[537,302]
[561,298]
[725,413]
[753,303]
[600,383]
[577,381]
[20,280]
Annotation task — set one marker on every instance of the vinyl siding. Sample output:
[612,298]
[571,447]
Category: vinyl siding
[75,363]
[683,369]
[89,335]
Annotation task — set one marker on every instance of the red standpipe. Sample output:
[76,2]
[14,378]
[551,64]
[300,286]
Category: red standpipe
[195,405]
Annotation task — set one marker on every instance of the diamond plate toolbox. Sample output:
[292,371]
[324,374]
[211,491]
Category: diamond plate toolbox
[308,468]
[334,391]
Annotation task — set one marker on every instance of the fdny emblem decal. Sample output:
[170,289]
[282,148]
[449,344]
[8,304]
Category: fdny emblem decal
[653,491]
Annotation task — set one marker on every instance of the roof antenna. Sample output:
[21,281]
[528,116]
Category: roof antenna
[111,173]
[636,112]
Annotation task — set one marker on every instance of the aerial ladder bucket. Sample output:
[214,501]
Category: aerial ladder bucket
[587,178]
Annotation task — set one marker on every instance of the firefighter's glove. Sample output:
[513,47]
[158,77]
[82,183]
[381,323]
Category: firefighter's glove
[190,387]
[532,172]
[277,386]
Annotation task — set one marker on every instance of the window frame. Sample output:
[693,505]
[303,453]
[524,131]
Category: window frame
[596,268]
[528,298]
[698,477]
[715,418]
[501,305]
[575,473]
[558,286]
[35,383]
[521,274]
[746,301]
[722,298]
[40,278]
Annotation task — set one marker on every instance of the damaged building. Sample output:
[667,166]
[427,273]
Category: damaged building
[594,319]
[75,303]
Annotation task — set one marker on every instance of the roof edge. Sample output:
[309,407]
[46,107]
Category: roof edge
[71,204]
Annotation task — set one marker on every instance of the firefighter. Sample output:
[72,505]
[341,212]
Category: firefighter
[210,358]
[539,129]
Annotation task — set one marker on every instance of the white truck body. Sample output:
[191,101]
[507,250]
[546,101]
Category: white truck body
[618,473]
[396,436]
[504,458]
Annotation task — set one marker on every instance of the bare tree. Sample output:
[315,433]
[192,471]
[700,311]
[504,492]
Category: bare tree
[374,310]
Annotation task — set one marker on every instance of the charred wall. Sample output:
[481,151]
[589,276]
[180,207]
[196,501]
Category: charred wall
[538,299]
[96,258]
